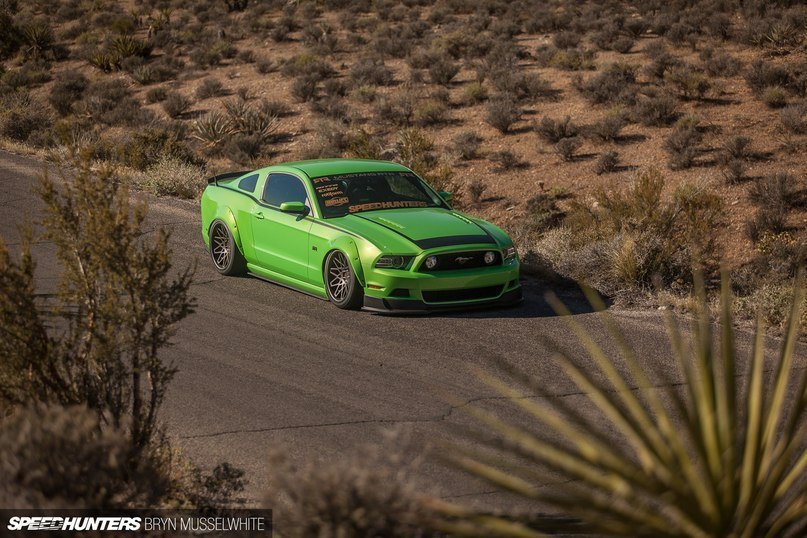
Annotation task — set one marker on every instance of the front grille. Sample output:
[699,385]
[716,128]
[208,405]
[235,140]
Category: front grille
[453,261]
[471,294]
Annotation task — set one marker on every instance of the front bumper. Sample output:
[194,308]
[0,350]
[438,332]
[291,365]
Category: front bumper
[389,290]
[414,306]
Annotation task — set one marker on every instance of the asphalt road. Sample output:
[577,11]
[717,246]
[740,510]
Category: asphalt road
[264,368]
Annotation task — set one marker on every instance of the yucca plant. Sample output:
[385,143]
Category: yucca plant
[212,128]
[720,454]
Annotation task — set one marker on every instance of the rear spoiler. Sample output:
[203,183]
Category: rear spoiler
[221,177]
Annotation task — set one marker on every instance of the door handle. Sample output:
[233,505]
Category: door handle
[258,215]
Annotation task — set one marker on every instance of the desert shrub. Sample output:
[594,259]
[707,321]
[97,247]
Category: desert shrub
[66,90]
[371,71]
[774,196]
[476,189]
[737,147]
[794,118]
[507,160]
[369,493]
[567,147]
[475,93]
[762,74]
[681,146]
[145,147]
[120,298]
[176,104]
[566,39]
[648,235]
[636,27]
[110,102]
[56,456]
[607,162]
[721,65]
[304,88]
[657,110]
[521,85]
[502,113]
[553,131]
[156,95]
[609,38]
[283,27]
[172,176]
[24,119]
[335,88]
[243,149]
[416,151]
[572,60]
[265,65]
[774,97]
[431,112]
[733,170]
[616,84]
[307,65]
[662,62]
[332,106]
[623,44]
[568,59]
[608,128]
[442,70]
[274,108]
[466,145]
[543,212]
[397,109]
[210,87]
[29,75]
[689,83]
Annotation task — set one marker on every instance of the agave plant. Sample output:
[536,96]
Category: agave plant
[721,454]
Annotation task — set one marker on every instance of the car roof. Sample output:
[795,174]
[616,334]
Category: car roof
[326,167]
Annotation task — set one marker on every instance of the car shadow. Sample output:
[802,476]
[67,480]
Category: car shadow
[535,304]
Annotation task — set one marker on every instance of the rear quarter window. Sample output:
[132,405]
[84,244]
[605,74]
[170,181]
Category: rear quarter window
[248,183]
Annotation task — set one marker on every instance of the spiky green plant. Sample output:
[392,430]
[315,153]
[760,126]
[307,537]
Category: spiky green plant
[721,454]
[213,128]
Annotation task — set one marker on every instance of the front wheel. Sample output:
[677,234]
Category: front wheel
[227,259]
[341,284]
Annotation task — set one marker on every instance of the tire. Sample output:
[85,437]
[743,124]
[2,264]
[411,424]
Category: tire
[227,258]
[341,285]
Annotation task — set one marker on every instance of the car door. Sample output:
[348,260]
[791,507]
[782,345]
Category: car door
[281,239]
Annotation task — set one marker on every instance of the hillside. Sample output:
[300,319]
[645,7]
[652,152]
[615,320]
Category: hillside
[685,139]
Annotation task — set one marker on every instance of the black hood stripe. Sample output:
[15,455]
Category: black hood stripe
[435,242]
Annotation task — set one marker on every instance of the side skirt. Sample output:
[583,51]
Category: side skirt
[287,282]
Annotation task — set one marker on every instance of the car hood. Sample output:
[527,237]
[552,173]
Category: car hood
[424,227]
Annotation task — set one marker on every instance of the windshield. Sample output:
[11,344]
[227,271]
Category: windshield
[344,194]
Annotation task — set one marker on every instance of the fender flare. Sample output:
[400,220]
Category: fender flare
[225,215]
[347,245]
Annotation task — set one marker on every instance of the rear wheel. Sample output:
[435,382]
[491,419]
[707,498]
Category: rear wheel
[227,259]
[341,284]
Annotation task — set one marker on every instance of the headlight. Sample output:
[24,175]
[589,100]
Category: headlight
[431,262]
[509,253]
[393,262]
[490,257]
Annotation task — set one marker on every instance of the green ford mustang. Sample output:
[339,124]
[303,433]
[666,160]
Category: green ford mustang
[360,233]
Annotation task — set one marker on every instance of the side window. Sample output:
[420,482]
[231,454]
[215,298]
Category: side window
[284,188]
[248,183]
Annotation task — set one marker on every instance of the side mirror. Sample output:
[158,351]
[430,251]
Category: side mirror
[294,207]
[447,196]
